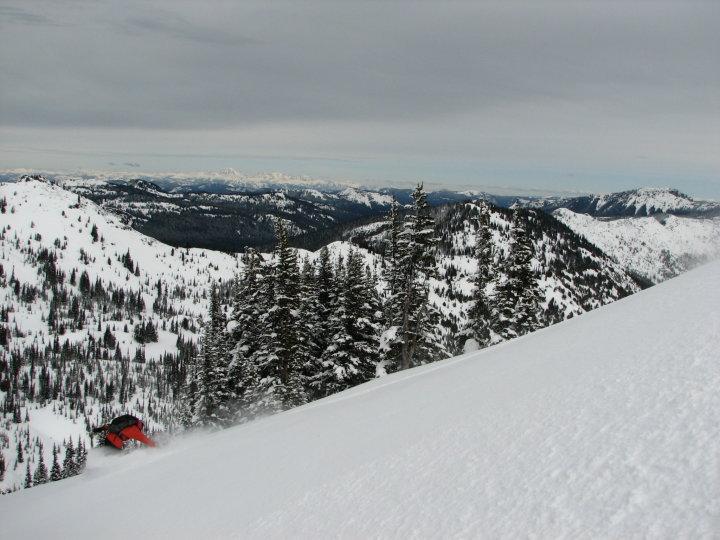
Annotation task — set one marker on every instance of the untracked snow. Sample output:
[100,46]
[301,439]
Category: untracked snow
[604,426]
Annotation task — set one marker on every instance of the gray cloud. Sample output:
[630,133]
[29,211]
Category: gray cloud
[152,26]
[160,68]
[545,80]
[15,15]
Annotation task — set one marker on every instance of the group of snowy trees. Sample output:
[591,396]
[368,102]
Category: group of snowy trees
[36,471]
[302,330]
[78,366]
[513,307]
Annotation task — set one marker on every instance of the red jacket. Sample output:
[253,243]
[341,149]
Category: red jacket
[123,428]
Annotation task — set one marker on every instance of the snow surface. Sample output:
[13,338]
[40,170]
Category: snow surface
[604,426]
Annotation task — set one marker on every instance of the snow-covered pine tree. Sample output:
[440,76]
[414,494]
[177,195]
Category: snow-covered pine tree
[352,355]
[479,314]
[412,338]
[188,393]
[392,274]
[310,341]
[249,308]
[210,408]
[314,316]
[69,467]
[281,384]
[28,477]
[327,298]
[517,298]
[81,457]
[55,470]
[41,472]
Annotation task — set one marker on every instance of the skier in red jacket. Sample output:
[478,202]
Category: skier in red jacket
[121,429]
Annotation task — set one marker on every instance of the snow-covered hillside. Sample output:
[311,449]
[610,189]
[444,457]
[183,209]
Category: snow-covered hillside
[51,217]
[604,426]
[75,287]
[654,247]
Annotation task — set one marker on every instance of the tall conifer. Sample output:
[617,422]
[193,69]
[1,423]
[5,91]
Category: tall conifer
[480,312]
[517,299]
[412,338]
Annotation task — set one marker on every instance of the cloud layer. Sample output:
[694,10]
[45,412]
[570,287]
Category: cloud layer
[626,88]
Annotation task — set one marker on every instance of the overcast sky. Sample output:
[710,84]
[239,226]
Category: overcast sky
[512,95]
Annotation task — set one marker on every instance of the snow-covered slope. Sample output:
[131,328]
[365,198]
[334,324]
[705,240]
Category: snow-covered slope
[654,247]
[42,215]
[604,426]
[64,258]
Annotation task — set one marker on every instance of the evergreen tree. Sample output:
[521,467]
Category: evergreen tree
[144,332]
[69,466]
[412,338]
[480,312]
[517,299]
[250,304]
[351,357]
[211,403]
[109,339]
[41,472]
[28,478]
[188,391]
[81,456]
[315,316]
[281,384]
[393,270]
[324,297]
[55,471]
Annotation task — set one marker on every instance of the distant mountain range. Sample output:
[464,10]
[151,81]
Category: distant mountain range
[636,202]
[231,214]
[229,211]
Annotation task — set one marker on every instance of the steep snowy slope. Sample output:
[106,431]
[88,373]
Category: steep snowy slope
[604,426]
[75,286]
[657,248]
[52,218]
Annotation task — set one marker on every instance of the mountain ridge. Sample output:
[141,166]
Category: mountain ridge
[636,202]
